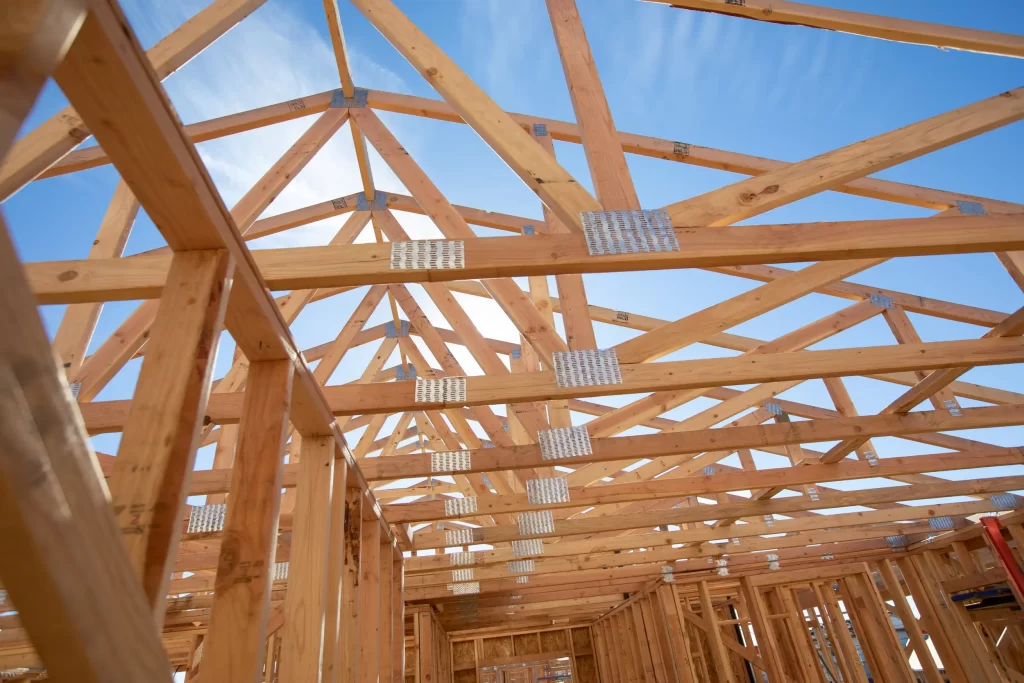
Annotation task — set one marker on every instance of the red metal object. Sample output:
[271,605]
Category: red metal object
[1004,554]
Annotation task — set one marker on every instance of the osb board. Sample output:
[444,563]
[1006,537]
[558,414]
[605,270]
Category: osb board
[553,640]
[468,676]
[526,644]
[581,639]
[463,654]
[586,669]
[497,648]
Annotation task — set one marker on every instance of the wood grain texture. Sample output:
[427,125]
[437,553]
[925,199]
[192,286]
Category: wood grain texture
[238,624]
[306,601]
[157,449]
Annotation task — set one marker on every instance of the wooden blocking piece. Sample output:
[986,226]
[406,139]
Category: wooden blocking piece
[385,611]
[158,446]
[369,598]
[348,626]
[305,602]
[238,623]
[77,596]
[335,569]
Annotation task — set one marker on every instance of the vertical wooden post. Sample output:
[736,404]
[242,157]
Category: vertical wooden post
[643,648]
[369,599]
[306,599]
[801,636]
[347,662]
[910,623]
[158,445]
[386,562]
[659,625]
[621,638]
[933,621]
[236,637]
[426,648]
[767,645]
[680,646]
[398,617]
[847,652]
[718,651]
[335,568]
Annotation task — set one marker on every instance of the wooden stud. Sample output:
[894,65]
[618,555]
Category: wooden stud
[158,447]
[350,633]
[238,623]
[306,600]
[369,601]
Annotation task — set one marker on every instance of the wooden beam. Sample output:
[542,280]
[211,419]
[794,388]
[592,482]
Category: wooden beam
[1011,327]
[783,478]
[608,170]
[641,520]
[141,277]
[306,600]
[157,449]
[859,23]
[234,648]
[45,145]
[106,66]
[399,396]
[533,165]
[751,197]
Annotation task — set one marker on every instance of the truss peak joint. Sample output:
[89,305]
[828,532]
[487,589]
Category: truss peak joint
[358,100]
[391,331]
[378,203]
[540,130]
[401,373]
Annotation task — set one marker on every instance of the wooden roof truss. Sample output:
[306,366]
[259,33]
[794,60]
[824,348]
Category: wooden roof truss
[617,528]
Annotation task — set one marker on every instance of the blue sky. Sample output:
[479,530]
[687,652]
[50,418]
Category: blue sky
[781,92]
